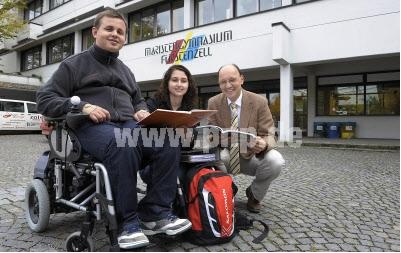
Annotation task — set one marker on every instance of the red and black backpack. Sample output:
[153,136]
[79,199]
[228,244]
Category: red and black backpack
[210,205]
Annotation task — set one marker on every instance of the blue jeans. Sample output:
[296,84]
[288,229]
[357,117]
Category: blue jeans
[122,164]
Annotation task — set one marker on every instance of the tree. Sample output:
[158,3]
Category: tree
[10,23]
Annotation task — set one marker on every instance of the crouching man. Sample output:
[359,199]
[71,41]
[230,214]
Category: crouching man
[238,108]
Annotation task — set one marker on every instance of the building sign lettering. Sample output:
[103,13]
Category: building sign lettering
[189,48]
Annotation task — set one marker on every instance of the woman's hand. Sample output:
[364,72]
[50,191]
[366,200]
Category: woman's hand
[140,115]
[96,113]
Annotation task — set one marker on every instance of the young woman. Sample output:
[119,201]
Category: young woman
[177,91]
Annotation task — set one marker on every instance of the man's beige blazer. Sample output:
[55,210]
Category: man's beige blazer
[255,113]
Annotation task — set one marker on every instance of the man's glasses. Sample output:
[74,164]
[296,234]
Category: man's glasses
[229,81]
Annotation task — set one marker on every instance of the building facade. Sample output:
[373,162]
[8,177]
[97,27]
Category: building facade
[314,60]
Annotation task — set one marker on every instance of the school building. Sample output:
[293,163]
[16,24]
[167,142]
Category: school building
[314,60]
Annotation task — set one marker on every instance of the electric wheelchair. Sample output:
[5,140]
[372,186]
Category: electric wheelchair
[66,179]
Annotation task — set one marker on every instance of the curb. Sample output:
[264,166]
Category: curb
[353,146]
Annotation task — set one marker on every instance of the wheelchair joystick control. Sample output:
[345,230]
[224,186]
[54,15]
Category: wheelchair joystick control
[75,118]
[75,100]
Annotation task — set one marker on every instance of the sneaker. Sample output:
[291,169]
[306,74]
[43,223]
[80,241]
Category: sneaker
[171,225]
[133,237]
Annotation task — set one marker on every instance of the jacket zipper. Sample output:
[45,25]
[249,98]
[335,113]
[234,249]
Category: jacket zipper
[114,104]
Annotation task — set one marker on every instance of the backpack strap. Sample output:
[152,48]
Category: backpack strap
[190,174]
[243,223]
[264,234]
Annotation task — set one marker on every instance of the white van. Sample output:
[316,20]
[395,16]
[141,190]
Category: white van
[19,115]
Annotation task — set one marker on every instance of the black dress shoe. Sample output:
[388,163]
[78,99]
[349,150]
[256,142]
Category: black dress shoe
[253,204]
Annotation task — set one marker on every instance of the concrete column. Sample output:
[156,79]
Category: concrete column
[78,42]
[44,49]
[281,53]
[18,62]
[286,103]
[311,102]
[189,14]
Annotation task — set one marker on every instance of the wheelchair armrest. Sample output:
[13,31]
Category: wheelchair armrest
[76,120]
[57,119]
[73,120]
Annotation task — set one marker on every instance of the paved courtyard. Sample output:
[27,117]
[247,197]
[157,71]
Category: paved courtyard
[324,200]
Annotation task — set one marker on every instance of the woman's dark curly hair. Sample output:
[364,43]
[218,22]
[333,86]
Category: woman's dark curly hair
[190,98]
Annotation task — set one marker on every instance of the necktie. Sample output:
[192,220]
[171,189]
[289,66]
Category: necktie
[234,148]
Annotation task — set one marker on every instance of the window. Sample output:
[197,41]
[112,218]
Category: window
[135,33]
[351,95]
[33,9]
[341,100]
[209,11]
[55,3]
[222,10]
[178,15]
[31,108]
[8,106]
[163,19]
[59,49]
[383,99]
[31,58]
[246,6]
[156,20]
[87,38]
[148,24]
[269,4]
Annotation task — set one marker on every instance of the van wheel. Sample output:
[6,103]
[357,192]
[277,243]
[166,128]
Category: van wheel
[37,206]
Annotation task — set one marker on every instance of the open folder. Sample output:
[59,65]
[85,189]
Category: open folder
[230,132]
[168,118]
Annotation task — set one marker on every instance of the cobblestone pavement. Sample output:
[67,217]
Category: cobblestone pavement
[324,200]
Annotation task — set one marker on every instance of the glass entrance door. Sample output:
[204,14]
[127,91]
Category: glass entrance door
[300,108]
[274,105]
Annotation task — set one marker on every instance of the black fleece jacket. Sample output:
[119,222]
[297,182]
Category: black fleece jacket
[98,78]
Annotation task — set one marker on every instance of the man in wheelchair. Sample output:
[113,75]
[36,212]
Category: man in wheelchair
[112,100]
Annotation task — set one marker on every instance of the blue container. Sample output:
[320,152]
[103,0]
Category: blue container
[319,129]
[333,129]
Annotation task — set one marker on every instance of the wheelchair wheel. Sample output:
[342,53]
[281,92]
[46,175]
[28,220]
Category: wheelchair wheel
[75,243]
[37,206]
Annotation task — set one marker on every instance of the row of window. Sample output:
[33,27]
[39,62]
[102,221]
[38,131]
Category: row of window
[35,7]
[150,22]
[155,21]
[169,17]
[56,51]
[350,96]
[208,11]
